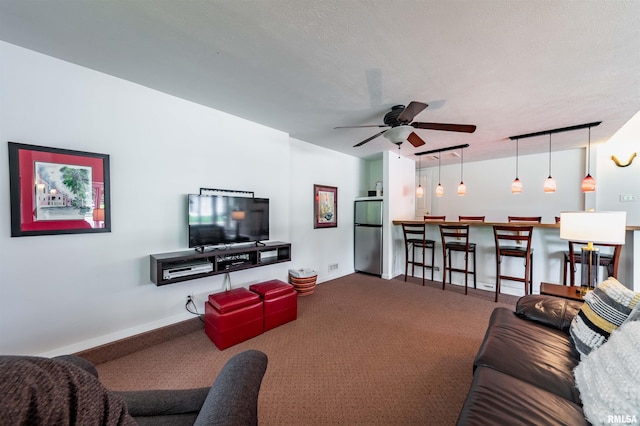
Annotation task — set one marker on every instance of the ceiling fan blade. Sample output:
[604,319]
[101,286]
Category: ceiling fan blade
[463,128]
[369,139]
[415,140]
[413,109]
[356,127]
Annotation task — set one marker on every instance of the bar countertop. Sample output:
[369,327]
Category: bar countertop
[479,223]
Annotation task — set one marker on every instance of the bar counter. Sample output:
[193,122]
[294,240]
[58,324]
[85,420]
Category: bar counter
[478,223]
[548,257]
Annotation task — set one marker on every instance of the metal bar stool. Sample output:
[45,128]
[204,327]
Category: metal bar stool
[518,234]
[460,236]
[609,261]
[415,237]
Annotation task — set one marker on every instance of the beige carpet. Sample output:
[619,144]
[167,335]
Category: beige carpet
[362,351]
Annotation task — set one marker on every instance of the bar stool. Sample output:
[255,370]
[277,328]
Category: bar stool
[518,234]
[434,218]
[609,261]
[415,237]
[461,244]
[470,218]
[535,219]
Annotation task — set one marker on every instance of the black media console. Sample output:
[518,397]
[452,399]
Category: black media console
[169,268]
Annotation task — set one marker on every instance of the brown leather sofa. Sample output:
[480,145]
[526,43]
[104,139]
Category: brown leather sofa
[523,371]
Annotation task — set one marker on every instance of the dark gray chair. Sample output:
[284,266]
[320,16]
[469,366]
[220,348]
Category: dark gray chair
[231,400]
[34,389]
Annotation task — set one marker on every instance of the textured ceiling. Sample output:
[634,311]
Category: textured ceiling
[306,66]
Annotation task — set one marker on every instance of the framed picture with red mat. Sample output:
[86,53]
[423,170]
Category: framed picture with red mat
[58,191]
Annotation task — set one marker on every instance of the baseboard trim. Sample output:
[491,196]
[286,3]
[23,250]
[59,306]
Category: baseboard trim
[119,348]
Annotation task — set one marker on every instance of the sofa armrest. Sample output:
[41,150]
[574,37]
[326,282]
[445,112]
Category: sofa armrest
[551,311]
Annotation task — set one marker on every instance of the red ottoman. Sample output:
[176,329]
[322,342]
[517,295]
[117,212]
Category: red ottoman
[280,302]
[232,317]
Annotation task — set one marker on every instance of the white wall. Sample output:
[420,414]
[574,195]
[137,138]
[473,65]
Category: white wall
[66,293]
[319,248]
[612,182]
[399,198]
[489,187]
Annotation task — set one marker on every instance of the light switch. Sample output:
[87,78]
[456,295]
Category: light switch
[628,197]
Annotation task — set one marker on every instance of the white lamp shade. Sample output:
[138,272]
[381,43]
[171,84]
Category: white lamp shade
[398,134]
[593,227]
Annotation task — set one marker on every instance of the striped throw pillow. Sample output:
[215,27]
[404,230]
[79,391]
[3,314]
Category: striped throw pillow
[604,310]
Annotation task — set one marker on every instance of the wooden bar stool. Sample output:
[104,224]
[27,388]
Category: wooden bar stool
[455,238]
[415,237]
[527,219]
[518,234]
[434,218]
[609,261]
[470,218]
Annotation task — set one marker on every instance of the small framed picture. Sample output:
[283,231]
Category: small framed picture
[325,212]
[58,191]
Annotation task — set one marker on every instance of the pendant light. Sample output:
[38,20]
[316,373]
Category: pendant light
[419,189]
[462,188]
[439,188]
[588,183]
[550,183]
[516,185]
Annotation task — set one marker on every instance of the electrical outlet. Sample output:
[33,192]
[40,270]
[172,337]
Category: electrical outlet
[333,267]
[189,298]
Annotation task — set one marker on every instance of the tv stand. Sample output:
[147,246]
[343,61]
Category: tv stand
[223,260]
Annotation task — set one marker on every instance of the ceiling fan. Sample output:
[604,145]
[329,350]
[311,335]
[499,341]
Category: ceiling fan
[400,118]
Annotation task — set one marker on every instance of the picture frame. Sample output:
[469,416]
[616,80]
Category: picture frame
[325,211]
[58,191]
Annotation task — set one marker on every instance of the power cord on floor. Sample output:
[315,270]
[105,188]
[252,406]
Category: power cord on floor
[191,307]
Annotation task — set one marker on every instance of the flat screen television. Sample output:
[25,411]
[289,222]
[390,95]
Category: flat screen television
[222,219]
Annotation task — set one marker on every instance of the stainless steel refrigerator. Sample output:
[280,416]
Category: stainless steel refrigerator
[368,236]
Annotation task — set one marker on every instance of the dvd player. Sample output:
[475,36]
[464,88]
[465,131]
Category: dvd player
[185,269]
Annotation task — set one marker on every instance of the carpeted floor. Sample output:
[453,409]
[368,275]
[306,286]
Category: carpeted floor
[363,351]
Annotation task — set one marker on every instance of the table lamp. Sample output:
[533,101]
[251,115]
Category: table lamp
[592,228]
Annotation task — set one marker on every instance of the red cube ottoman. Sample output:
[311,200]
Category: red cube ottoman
[232,317]
[280,302]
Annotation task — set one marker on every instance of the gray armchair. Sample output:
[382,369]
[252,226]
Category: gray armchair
[39,391]
[232,400]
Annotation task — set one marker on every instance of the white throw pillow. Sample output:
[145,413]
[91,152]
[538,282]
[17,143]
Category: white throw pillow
[609,378]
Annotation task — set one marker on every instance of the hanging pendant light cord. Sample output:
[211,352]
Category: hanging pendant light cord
[549,154]
[438,170]
[589,155]
[516,158]
[461,162]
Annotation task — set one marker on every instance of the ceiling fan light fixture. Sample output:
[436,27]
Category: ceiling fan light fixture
[398,134]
